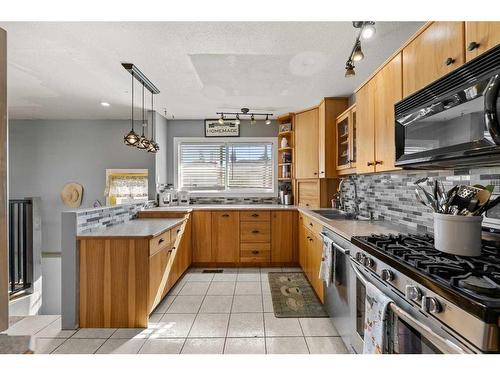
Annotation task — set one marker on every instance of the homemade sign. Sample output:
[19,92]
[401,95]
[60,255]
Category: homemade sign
[214,129]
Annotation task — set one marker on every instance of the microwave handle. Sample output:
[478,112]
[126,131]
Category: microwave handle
[445,345]
[490,108]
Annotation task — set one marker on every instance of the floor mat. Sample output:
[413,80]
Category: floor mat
[293,296]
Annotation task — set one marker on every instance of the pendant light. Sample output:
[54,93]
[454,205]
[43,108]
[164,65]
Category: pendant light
[237,121]
[358,54]
[153,146]
[268,122]
[252,120]
[132,138]
[221,119]
[143,143]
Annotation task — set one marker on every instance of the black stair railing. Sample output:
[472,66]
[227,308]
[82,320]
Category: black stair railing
[20,245]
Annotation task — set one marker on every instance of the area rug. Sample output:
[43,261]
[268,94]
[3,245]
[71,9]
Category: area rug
[293,296]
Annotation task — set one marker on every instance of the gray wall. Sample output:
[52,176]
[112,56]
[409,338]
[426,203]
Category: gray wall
[195,128]
[46,154]
[161,156]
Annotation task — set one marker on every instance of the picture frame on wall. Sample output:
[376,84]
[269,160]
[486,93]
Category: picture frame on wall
[214,129]
[285,127]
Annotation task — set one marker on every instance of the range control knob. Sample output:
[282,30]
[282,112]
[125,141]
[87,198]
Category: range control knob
[413,293]
[359,257]
[431,305]
[387,275]
[369,262]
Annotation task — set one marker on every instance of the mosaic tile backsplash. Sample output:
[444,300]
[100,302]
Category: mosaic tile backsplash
[391,196]
[233,200]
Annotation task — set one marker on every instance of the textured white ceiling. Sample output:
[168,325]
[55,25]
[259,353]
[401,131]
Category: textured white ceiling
[64,70]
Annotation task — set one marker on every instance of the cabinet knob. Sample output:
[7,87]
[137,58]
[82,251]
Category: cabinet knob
[255,231]
[449,61]
[255,251]
[225,215]
[178,230]
[255,215]
[378,162]
[472,46]
[311,224]
[370,163]
[161,240]
[315,173]
[322,172]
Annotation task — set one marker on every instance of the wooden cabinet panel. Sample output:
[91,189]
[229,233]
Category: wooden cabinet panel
[258,252]
[225,236]
[308,193]
[157,273]
[388,91]
[480,37]
[436,51]
[181,256]
[258,231]
[283,236]
[202,236]
[256,215]
[159,242]
[315,253]
[303,243]
[365,144]
[306,144]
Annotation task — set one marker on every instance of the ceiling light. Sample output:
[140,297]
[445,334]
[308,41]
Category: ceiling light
[221,120]
[153,146]
[237,121]
[358,54]
[368,31]
[143,143]
[131,138]
[268,122]
[349,70]
[105,104]
[252,120]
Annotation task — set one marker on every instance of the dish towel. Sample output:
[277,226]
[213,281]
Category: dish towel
[326,266]
[376,305]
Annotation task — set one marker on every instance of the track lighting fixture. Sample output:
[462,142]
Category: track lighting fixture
[366,31]
[132,138]
[243,112]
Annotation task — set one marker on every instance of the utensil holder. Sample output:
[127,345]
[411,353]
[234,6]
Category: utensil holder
[458,235]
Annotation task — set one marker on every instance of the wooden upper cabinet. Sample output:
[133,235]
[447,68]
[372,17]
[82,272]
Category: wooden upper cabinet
[438,50]
[225,236]
[480,37]
[202,236]
[387,92]
[365,144]
[283,236]
[345,141]
[306,144]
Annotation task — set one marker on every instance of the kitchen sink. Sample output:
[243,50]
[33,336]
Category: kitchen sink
[340,215]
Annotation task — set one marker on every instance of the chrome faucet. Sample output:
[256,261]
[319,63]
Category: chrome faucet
[340,196]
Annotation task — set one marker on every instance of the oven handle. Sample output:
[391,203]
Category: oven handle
[490,108]
[338,247]
[445,345]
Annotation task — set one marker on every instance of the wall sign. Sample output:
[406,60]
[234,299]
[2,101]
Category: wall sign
[228,129]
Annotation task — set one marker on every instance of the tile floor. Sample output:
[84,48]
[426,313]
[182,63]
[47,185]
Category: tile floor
[205,313]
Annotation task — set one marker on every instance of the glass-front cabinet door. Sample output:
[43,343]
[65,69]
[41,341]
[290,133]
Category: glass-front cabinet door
[346,139]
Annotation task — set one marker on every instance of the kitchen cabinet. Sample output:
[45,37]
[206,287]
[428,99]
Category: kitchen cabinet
[345,138]
[480,37]
[202,236]
[306,144]
[315,193]
[375,113]
[303,243]
[157,267]
[438,50]
[181,256]
[283,236]
[310,255]
[225,236]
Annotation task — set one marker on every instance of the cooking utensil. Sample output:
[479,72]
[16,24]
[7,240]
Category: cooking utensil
[430,198]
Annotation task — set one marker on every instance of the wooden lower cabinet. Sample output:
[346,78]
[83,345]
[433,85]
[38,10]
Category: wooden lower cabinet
[284,237]
[310,254]
[225,236]
[157,266]
[202,236]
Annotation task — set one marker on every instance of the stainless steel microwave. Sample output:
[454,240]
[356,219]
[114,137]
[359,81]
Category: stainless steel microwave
[454,121]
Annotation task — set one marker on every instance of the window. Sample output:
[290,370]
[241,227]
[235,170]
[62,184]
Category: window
[126,186]
[244,166]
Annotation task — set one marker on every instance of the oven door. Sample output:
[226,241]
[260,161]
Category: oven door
[462,125]
[407,330]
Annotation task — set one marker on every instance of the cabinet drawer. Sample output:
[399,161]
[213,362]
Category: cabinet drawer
[308,193]
[255,231]
[174,232]
[311,224]
[255,216]
[159,242]
[255,252]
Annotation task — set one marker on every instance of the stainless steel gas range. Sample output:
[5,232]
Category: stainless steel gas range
[441,303]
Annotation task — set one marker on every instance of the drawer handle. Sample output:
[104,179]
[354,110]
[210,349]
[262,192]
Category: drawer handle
[379,162]
[178,230]
[370,163]
[161,240]
[255,215]
[449,61]
[255,251]
[170,251]
[311,224]
[255,231]
[472,46]
[225,215]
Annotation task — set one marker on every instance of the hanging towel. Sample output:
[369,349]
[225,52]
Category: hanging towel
[326,266]
[376,305]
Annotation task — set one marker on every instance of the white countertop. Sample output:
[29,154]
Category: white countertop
[141,228]
[213,207]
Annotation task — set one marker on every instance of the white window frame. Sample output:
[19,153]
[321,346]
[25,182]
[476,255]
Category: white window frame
[234,193]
